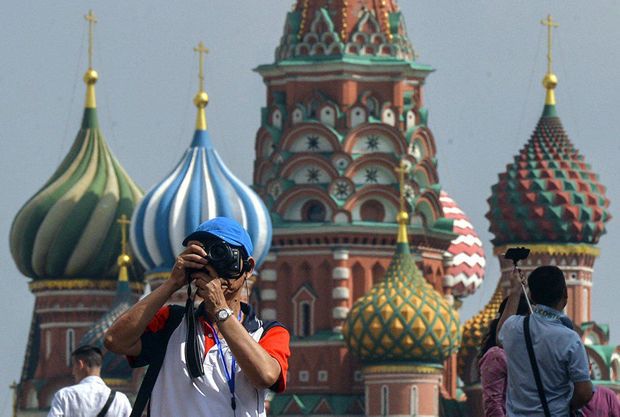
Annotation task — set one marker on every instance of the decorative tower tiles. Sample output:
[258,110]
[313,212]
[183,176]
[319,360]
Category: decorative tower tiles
[345,104]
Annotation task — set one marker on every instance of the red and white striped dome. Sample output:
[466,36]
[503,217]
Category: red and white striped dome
[465,271]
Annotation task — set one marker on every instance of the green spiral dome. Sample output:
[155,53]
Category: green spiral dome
[402,318]
[69,228]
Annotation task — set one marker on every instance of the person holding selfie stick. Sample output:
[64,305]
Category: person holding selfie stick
[214,361]
[548,371]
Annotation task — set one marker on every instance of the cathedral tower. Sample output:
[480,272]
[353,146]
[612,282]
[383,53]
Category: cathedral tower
[551,202]
[66,239]
[345,104]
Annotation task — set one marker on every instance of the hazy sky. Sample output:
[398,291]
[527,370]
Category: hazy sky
[484,100]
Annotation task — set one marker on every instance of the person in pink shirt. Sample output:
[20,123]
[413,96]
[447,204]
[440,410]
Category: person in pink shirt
[604,403]
[493,367]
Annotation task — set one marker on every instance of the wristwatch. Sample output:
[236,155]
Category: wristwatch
[223,314]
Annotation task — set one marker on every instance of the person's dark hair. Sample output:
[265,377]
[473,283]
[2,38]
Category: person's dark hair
[547,285]
[91,355]
[489,339]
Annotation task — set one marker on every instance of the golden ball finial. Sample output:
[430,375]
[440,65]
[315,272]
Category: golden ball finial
[402,217]
[123,260]
[91,76]
[201,99]
[550,81]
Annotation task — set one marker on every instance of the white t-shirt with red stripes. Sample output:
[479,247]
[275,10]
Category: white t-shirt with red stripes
[176,394]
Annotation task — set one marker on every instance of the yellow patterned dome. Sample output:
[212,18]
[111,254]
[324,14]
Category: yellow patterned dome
[474,330]
[402,318]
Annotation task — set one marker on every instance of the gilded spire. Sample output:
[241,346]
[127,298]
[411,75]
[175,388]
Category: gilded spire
[202,99]
[550,81]
[91,76]
[403,217]
[123,259]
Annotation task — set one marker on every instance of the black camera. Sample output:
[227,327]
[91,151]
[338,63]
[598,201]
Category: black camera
[517,254]
[227,260]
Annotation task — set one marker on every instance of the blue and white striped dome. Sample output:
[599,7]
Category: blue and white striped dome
[200,188]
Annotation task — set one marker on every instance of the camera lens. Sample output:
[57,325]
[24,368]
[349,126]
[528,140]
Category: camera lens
[219,252]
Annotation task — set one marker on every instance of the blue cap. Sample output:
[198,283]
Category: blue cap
[226,229]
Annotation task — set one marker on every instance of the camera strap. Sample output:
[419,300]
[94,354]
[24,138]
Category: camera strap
[230,376]
[193,356]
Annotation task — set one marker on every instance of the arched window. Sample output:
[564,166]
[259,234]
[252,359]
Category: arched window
[70,345]
[48,344]
[410,120]
[313,211]
[305,319]
[372,211]
[414,401]
[385,399]
[358,116]
[298,116]
[378,274]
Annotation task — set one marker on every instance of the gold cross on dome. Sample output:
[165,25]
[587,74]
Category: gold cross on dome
[124,222]
[550,25]
[92,20]
[202,51]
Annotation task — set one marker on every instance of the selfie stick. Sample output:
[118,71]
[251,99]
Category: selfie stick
[518,271]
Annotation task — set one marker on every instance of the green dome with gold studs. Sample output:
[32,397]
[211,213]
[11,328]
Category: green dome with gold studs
[403,318]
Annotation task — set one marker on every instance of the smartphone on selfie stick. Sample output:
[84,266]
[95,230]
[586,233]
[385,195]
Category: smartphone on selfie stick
[516,255]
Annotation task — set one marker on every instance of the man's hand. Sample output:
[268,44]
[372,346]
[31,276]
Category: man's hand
[517,281]
[513,301]
[193,257]
[209,288]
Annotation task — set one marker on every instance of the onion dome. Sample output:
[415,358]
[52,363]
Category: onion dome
[68,229]
[465,271]
[549,194]
[473,332]
[333,29]
[199,188]
[114,366]
[403,318]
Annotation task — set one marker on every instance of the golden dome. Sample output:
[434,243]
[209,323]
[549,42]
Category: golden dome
[402,318]
[474,330]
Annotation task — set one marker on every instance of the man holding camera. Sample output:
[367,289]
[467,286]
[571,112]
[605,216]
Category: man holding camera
[557,351]
[232,359]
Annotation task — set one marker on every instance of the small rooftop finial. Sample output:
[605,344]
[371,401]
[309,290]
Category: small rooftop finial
[202,99]
[403,217]
[123,259]
[91,76]
[550,81]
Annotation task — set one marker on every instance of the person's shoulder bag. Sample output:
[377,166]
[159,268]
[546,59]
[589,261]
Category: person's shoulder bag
[107,404]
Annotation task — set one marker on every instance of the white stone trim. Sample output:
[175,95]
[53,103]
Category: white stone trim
[271,257]
[340,313]
[268,314]
[268,295]
[341,272]
[269,275]
[341,254]
[340,293]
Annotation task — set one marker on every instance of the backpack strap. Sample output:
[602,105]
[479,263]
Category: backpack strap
[146,388]
[107,404]
[536,371]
